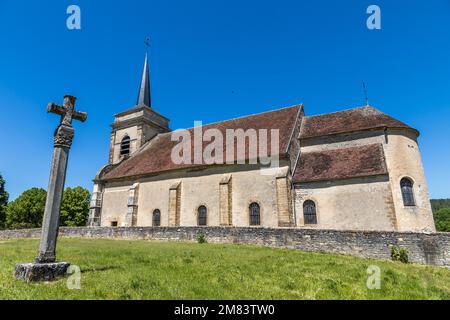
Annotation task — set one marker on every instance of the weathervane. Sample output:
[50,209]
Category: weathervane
[365,93]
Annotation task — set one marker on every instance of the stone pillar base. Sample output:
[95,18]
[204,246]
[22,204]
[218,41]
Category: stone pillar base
[41,271]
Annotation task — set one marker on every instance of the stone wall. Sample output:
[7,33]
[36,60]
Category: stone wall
[433,248]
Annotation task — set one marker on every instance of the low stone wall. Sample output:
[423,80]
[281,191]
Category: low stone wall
[423,248]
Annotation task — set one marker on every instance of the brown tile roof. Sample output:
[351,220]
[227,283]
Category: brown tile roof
[156,156]
[341,164]
[357,119]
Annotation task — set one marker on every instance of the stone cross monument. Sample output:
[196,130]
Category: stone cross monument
[46,267]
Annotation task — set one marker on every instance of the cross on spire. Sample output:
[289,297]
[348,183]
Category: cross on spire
[144,97]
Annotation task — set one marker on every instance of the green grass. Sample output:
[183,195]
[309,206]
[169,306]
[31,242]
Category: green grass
[120,269]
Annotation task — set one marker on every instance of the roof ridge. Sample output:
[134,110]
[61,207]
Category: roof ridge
[242,117]
[344,110]
[379,144]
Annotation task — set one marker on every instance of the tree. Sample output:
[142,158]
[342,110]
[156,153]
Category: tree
[4,196]
[27,210]
[442,220]
[437,204]
[75,207]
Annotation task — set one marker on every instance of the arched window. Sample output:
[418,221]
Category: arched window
[255,216]
[407,192]
[125,146]
[156,218]
[202,216]
[309,212]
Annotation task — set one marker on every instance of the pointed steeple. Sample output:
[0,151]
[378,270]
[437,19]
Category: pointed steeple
[144,90]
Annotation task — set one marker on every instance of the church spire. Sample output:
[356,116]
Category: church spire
[144,90]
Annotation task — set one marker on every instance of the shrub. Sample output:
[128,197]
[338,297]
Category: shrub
[399,254]
[201,238]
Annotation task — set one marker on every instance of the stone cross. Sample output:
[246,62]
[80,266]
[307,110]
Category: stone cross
[45,267]
[62,141]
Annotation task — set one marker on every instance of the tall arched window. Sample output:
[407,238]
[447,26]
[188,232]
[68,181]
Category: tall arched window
[255,216]
[407,192]
[309,212]
[156,218]
[202,216]
[125,146]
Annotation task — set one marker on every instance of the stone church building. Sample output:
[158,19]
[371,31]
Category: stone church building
[357,169]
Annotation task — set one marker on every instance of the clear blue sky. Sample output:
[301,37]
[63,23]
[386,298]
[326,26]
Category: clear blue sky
[270,53]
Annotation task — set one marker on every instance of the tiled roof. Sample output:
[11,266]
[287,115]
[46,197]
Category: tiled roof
[357,119]
[155,157]
[343,163]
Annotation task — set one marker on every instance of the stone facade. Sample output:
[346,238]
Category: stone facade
[343,205]
[423,248]
[372,202]
[404,160]
[140,124]
[226,192]
[344,167]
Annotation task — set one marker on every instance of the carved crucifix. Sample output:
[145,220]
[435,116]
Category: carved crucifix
[63,137]
[67,111]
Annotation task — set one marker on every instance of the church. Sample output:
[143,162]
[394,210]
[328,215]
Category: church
[356,169]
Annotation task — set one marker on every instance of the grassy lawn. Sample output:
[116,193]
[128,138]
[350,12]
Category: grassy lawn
[120,269]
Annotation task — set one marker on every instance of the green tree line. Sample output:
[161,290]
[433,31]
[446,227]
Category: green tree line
[437,204]
[27,210]
[4,196]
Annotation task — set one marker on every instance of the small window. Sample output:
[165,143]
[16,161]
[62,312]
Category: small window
[125,146]
[156,218]
[202,216]
[113,223]
[407,192]
[255,216]
[309,212]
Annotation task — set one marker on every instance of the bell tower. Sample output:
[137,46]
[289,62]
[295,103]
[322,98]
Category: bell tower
[132,128]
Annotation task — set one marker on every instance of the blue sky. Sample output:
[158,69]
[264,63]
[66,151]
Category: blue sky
[269,53]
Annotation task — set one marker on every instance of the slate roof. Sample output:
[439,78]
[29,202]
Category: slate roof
[356,119]
[155,157]
[342,163]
